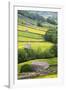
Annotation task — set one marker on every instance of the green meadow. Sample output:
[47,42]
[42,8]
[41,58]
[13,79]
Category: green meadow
[37,42]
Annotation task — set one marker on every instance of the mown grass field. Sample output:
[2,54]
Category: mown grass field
[33,37]
[30,34]
[22,38]
[36,45]
[33,30]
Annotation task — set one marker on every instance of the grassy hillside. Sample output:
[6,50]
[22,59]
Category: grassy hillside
[36,30]
[32,45]
[52,62]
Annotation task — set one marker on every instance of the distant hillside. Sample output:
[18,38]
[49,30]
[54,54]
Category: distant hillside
[39,17]
[34,16]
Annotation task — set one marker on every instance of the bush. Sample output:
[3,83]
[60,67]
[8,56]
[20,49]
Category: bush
[51,21]
[39,24]
[30,53]
[51,35]
[54,50]
[21,55]
[26,68]
[25,54]
[49,53]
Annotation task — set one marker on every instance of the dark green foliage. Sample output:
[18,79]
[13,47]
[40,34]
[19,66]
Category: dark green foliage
[50,53]
[25,54]
[52,20]
[54,50]
[21,55]
[51,35]
[30,54]
[47,54]
[26,68]
[39,24]
[52,69]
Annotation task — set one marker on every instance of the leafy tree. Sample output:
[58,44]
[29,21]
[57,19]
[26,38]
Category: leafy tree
[51,35]
[54,50]
[51,20]
[26,68]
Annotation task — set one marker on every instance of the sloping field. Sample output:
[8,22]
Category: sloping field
[31,41]
[36,45]
[51,61]
[52,69]
[32,29]
[28,39]
[30,34]
[22,19]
